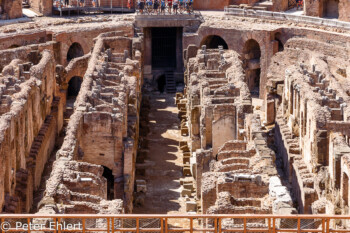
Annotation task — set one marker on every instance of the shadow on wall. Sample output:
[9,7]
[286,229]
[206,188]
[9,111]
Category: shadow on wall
[161,81]
[213,42]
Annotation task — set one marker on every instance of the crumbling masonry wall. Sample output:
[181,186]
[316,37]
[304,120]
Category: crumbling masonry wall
[103,130]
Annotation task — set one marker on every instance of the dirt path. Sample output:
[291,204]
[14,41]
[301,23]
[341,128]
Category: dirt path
[162,177]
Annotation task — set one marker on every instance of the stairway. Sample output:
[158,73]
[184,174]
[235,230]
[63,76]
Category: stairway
[170,82]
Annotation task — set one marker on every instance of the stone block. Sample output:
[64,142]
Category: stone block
[185,192]
[191,206]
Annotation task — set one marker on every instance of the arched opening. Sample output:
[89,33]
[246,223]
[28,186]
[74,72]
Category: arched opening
[252,54]
[74,85]
[279,40]
[107,173]
[331,8]
[161,81]
[213,42]
[346,189]
[14,46]
[75,50]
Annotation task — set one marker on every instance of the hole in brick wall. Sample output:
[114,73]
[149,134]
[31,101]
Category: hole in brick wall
[13,46]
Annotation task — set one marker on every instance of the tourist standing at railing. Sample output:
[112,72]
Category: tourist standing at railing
[149,4]
[141,5]
[162,7]
[181,5]
[155,6]
[170,5]
[66,3]
[94,3]
[175,6]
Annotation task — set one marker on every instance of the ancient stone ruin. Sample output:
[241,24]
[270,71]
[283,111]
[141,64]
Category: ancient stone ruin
[175,114]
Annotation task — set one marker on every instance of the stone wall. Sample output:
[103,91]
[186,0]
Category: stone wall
[229,157]
[103,129]
[42,6]
[11,9]
[30,114]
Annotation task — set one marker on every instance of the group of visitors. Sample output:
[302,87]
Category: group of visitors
[160,6]
[68,3]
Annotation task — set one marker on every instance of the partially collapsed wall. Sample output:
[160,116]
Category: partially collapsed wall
[103,130]
[309,96]
[227,150]
[30,116]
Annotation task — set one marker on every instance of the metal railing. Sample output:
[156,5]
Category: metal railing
[174,223]
[286,16]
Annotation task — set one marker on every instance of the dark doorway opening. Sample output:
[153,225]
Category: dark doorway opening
[213,42]
[331,9]
[107,173]
[75,50]
[74,86]
[164,48]
[253,53]
[161,83]
[279,40]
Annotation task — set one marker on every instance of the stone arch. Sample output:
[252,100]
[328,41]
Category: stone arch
[252,55]
[213,42]
[74,51]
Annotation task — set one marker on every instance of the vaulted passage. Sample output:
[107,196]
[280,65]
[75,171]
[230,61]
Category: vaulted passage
[75,50]
[213,42]
[164,47]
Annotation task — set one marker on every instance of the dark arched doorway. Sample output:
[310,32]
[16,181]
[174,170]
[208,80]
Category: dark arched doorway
[213,42]
[161,82]
[252,54]
[75,50]
[74,86]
